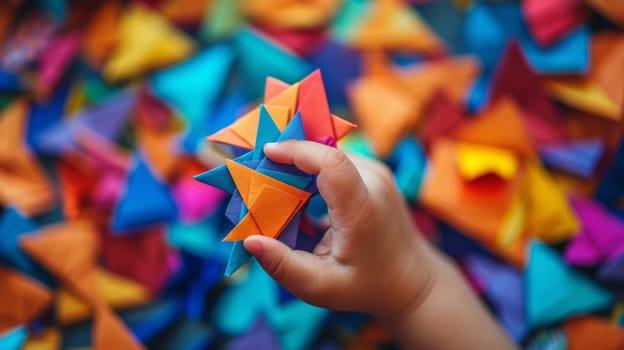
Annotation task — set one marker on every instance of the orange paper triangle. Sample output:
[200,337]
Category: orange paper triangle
[69,251]
[271,203]
[21,299]
[487,129]
[110,332]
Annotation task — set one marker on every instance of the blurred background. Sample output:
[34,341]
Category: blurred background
[500,120]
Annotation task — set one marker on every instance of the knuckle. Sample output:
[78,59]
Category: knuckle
[278,267]
[336,158]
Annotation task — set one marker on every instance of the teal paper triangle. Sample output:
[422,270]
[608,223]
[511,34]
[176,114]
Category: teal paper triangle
[13,339]
[555,292]
[260,59]
[194,85]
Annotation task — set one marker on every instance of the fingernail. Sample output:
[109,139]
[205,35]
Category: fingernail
[253,247]
[270,145]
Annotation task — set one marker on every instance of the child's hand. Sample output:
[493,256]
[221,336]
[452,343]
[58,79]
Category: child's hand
[371,258]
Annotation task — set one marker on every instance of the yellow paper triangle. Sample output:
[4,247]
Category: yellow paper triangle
[147,41]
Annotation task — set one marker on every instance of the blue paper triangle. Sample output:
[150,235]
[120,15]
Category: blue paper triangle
[267,132]
[13,339]
[146,201]
[12,227]
[44,115]
[554,292]
[238,257]
[579,157]
[260,336]
[504,288]
[219,177]
[193,86]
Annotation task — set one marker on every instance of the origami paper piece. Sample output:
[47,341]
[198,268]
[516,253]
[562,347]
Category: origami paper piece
[488,27]
[257,191]
[542,119]
[601,236]
[55,61]
[450,198]
[110,332]
[599,92]
[185,12]
[195,201]
[555,221]
[10,81]
[231,316]
[148,321]
[12,227]
[284,14]
[485,129]
[69,251]
[161,44]
[203,76]
[579,157]
[504,287]
[443,117]
[554,292]
[260,334]
[49,338]
[13,339]
[201,239]
[609,9]
[187,335]
[101,35]
[44,115]
[106,120]
[408,163]
[221,20]
[302,42]
[587,332]
[23,183]
[273,62]
[404,96]
[610,190]
[142,256]
[115,291]
[613,270]
[340,66]
[392,26]
[146,201]
[22,299]
[306,97]
[297,323]
[474,161]
[549,22]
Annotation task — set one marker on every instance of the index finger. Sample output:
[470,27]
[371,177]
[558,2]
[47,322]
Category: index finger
[338,181]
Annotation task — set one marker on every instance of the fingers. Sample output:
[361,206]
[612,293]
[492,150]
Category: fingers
[295,270]
[338,180]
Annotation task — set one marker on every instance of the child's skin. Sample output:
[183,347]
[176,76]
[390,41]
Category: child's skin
[372,260]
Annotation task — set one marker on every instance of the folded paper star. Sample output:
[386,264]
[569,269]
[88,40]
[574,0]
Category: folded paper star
[267,198]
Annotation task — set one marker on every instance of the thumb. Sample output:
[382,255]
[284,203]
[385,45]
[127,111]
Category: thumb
[293,269]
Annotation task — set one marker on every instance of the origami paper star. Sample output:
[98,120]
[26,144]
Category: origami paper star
[285,182]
